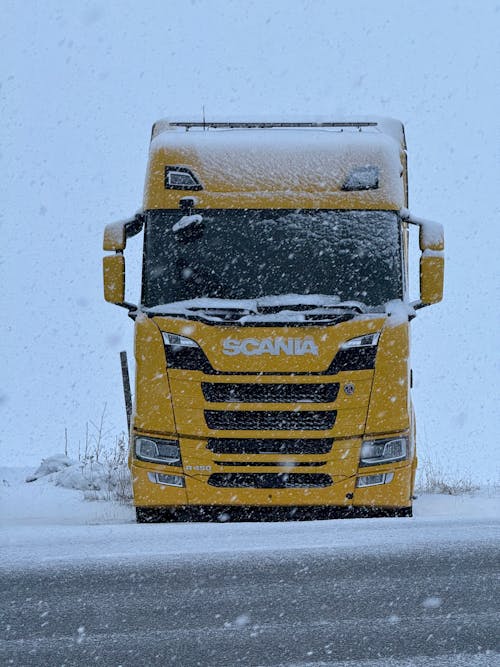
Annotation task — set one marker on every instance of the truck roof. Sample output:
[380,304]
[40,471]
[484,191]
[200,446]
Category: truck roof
[276,164]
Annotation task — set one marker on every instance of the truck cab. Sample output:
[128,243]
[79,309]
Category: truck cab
[272,347]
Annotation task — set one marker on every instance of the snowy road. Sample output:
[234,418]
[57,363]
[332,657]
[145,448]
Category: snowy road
[266,608]
[82,584]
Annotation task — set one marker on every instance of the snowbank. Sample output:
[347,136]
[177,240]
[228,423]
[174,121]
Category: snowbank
[44,523]
[103,480]
[57,493]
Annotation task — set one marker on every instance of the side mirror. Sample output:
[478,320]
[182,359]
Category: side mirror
[431,277]
[431,241]
[115,238]
[117,233]
[114,278]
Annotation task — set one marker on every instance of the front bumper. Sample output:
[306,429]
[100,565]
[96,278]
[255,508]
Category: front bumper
[343,492]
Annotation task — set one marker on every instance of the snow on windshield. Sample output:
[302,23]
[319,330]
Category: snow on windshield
[344,255]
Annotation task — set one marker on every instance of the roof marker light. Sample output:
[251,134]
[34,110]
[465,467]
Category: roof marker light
[362,178]
[180,178]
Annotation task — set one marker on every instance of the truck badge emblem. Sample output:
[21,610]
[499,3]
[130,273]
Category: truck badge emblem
[349,388]
[251,347]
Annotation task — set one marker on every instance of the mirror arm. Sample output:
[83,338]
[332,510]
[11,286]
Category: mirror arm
[132,309]
[135,225]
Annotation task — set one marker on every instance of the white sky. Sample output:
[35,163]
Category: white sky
[81,84]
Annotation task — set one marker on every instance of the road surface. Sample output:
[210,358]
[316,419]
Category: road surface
[433,606]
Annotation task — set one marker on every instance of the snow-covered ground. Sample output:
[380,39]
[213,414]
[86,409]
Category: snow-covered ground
[44,524]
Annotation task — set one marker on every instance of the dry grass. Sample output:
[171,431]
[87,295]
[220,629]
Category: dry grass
[103,461]
[431,479]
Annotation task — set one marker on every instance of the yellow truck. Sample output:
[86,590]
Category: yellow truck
[272,334]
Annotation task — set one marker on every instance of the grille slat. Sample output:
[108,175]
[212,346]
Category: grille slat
[266,480]
[269,393]
[276,420]
[275,464]
[269,445]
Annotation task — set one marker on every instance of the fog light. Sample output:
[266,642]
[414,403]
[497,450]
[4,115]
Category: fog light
[167,480]
[374,480]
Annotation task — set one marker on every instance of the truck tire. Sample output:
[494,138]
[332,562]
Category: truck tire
[404,511]
[387,512]
[144,515]
[150,515]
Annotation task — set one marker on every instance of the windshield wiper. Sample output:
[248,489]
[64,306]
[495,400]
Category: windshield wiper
[224,309]
[232,310]
[358,306]
[319,303]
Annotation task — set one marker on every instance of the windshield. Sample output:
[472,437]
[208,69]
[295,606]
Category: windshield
[250,254]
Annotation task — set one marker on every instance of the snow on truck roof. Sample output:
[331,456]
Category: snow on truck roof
[267,164]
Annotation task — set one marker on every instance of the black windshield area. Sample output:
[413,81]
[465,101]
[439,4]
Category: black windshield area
[249,254]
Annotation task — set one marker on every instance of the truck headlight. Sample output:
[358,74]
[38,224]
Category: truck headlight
[389,450]
[184,353]
[175,340]
[158,451]
[368,340]
[356,354]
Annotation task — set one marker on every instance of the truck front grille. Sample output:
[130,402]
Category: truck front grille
[276,420]
[222,392]
[269,446]
[269,480]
